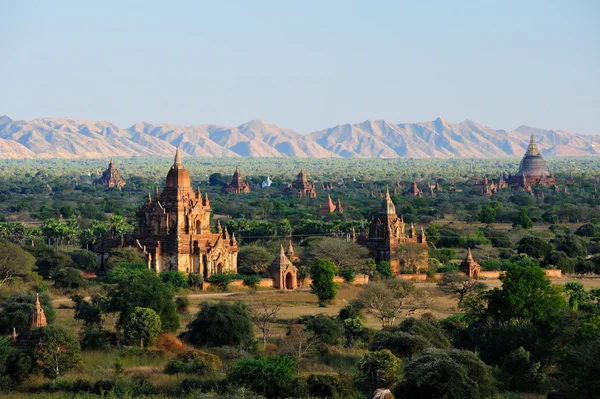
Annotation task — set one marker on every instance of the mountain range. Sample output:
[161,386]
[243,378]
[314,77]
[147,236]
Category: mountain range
[72,138]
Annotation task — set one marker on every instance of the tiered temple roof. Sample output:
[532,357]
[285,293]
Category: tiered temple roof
[237,185]
[111,178]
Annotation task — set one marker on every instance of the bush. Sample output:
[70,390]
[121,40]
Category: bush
[68,278]
[169,343]
[328,329]
[267,375]
[348,275]
[521,373]
[453,374]
[384,269]
[221,280]
[221,324]
[182,304]
[195,280]
[252,281]
[173,278]
[193,362]
[93,337]
[327,385]
[378,370]
[84,260]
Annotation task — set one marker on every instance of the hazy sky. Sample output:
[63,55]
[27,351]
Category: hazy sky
[304,65]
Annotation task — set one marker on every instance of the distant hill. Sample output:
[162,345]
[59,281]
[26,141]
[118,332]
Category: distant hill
[71,138]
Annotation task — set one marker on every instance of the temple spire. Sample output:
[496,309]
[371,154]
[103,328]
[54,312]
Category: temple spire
[177,163]
[532,148]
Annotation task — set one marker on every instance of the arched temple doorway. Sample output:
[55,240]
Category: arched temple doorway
[289,281]
[220,268]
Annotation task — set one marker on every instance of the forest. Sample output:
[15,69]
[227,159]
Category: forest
[124,331]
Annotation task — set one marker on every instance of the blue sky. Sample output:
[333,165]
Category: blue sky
[304,65]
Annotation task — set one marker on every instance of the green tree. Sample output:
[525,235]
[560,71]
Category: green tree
[432,233]
[521,372]
[453,374]
[55,350]
[142,325]
[534,247]
[68,278]
[14,262]
[221,324]
[411,337]
[254,259]
[90,313]
[523,220]
[577,294]
[142,289]
[322,273]
[527,294]
[384,299]
[379,369]
[559,260]
[124,255]
[270,376]
[459,285]
[385,269]
[344,254]
[487,214]
[173,278]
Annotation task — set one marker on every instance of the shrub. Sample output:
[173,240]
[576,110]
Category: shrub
[169,343]
[267,375]
[378,370]
[221,324]
[68,278]
[328,329]
[93,337]
[173,278]
[195,280]
[221,280]
[193,362]
[453,374]
[182,304]
[327,385]
[384,269]
[351,311]
[84,260]
[348,275]
[521,373]
[252,281]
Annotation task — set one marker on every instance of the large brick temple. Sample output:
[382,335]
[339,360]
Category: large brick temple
[389,240]
[174,230]
[533,169]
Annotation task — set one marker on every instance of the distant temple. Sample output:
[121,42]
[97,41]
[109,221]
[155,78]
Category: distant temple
[470,267]
[111,178]
[301,187]
[237,185]
[174,231]
[414,190]
[283,272]
[533,170]
[387,236]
